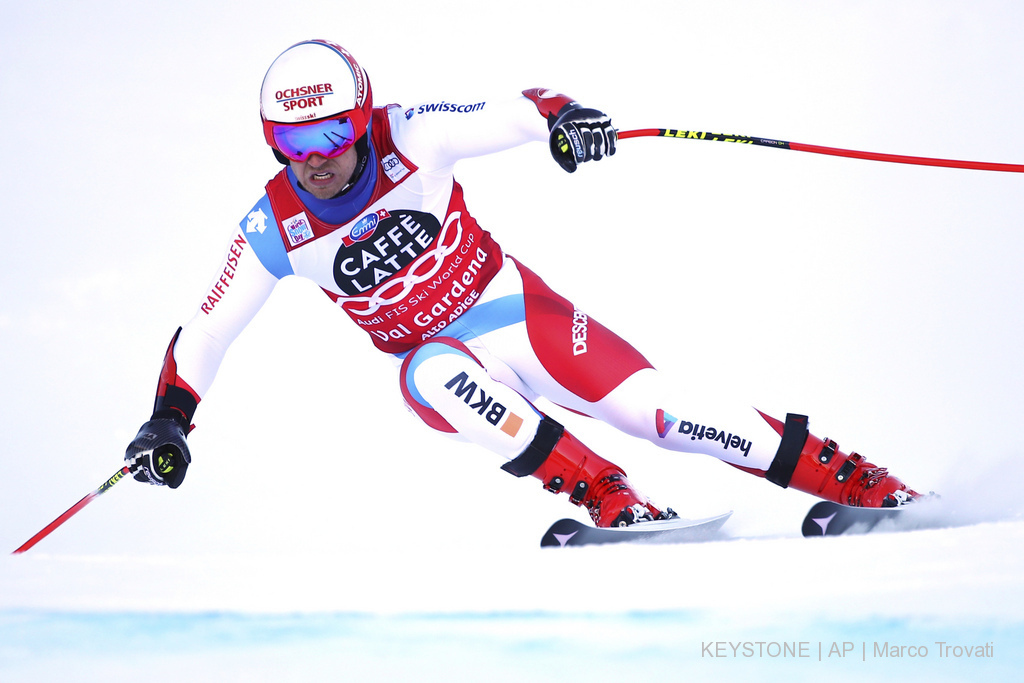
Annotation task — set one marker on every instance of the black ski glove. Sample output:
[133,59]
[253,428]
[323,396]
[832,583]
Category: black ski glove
[581,135]
[158,454]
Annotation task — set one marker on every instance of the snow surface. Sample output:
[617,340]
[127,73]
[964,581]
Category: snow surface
[324,534]
[513,612]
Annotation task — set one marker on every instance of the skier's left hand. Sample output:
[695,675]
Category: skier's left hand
[581,135]
[158,454]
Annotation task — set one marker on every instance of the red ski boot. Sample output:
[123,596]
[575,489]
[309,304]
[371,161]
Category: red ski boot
[818,467]
[562,463]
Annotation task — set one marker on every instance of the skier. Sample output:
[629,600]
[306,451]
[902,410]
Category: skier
[367,207]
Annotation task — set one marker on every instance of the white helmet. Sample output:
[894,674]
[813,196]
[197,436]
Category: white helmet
[312,81]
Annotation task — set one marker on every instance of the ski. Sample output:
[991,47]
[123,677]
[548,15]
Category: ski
[566,532]
[832,519]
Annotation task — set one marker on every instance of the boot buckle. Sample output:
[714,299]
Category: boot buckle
[555,485]
[846,470]
[827,451]
[579,492]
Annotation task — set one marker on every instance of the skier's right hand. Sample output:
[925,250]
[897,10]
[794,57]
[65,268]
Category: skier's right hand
[158,454]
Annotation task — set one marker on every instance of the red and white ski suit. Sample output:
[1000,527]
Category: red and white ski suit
[477,335]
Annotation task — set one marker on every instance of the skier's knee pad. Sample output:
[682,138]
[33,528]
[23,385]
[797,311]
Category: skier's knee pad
[449,389]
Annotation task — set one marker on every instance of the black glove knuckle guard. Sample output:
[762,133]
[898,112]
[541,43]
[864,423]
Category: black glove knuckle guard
[159,454]
[581,135]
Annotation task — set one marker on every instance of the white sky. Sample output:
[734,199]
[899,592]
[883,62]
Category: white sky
[882,300]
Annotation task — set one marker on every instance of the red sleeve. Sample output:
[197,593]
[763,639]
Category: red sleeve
[172,392]
[550,104]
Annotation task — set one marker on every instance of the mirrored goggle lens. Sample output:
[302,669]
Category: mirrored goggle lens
[330,138]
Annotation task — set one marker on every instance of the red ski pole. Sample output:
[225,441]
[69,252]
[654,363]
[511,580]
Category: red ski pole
[71,511]
[834,151]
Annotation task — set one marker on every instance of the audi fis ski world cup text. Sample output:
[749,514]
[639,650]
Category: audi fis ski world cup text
[458,278]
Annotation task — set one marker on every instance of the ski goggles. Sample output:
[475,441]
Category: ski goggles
[329,138]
